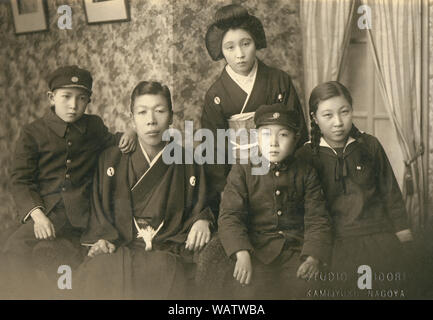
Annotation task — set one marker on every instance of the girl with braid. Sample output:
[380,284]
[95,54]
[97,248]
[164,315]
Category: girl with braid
[366,205]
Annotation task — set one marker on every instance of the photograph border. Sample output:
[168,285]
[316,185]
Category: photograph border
[94,17]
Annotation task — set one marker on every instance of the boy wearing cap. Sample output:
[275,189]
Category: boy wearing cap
[275,225]
[52,171]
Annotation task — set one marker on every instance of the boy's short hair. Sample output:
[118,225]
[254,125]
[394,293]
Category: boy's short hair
[151,87]
[70,77]
[277,114]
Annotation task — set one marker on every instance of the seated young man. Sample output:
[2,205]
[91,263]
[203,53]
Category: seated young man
[148,217]
[275,225]
[51,177]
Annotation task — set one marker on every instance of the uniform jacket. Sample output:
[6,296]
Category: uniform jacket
[175,193]
[55,161]
[225,98]
[261,212]
[360,187]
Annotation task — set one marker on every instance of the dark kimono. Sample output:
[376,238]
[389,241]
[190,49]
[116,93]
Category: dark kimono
[225,98]
[126,188]
[366,206]
[281,218]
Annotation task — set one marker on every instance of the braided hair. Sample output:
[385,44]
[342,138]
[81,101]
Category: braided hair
[322,92]
[325,91]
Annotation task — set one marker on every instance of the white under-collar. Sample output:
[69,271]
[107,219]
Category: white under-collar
[245,82]
[151,163]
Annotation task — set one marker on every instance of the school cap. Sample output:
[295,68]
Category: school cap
[276,114]
[232,16]
[70,77]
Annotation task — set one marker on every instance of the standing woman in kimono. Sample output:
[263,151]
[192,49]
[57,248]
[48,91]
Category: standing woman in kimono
[366,205]
[147,216]
[244,84]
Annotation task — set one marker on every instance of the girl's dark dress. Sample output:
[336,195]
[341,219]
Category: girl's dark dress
[366,206]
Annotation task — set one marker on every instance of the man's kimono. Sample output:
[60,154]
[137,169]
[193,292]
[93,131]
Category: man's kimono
[130,191]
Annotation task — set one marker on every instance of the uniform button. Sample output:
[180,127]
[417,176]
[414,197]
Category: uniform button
[277,192]
[280,232]
[68,161]
[63,189]
[279,212]
[68,176]
[69,143]
[277,173]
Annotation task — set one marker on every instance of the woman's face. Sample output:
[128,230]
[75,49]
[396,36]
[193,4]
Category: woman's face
[152,117]
[334,118]
[239,50]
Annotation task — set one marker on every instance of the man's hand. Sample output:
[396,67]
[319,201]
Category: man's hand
[198,236]
[308,269]
[243,268]
[43,228]
[128,141]
[100,247]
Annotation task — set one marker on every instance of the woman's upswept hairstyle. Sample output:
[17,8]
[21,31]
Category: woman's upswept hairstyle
[151,87]
[322,92]
[233,16]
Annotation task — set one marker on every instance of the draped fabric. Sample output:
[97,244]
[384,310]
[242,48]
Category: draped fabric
[326,28]
[395,42]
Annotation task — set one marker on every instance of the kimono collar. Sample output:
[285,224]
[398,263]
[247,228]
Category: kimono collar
[59,126]
[151,163]
[245,82]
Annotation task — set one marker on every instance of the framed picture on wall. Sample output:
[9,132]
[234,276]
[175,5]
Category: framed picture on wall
[100,11]
[29,15]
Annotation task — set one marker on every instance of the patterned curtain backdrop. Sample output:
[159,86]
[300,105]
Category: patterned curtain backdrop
[395,41]
[164,40]
[326,30]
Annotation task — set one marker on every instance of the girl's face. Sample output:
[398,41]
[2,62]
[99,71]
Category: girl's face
[334,118]
[276,142]
[152,117]
[239,50]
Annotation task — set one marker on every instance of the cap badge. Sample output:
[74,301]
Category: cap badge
[74,79]
[110,172]
[276,115]
[217,100]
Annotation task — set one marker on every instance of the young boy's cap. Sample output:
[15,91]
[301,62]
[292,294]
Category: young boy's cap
[276,114]
[70,77]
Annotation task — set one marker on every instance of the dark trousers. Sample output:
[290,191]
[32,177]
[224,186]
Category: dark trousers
[31,261]
[276,280]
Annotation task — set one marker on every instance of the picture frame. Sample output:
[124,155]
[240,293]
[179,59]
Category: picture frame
[29,16]
[103,11]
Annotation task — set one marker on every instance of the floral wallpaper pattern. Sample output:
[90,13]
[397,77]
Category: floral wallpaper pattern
[164,40]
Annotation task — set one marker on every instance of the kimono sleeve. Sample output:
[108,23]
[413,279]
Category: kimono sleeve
[201,197]
[390,191]
[232,221]
[101,224]
[292,102]
[213,119]
[24,186]
[317,222]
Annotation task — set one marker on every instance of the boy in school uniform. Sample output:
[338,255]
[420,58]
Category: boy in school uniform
[52,173]
[276,225]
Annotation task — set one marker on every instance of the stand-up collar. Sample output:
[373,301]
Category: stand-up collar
[59,126]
